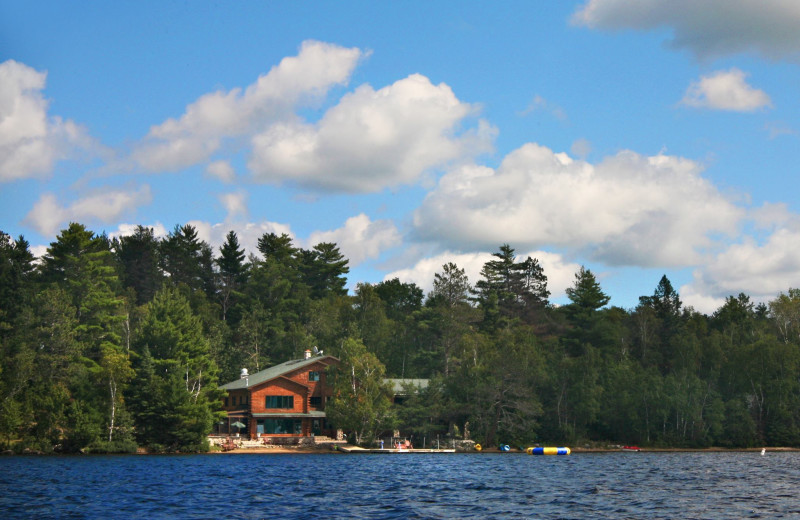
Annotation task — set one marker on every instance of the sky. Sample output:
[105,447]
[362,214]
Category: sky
[636,139]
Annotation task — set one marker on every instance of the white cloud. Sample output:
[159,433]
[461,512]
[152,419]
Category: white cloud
[581,148]
[39,251]
[627,210]
[30,142]
[371,139]
[560,274]
[124,230]
[235,204]
[360,238]
[758,269]
[103,206]
[247,233]
[199,132]
[725,90]
[708,28]
[221,170]
[778,128]
[541,104]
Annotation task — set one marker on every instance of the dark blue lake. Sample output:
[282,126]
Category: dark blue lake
[610,485]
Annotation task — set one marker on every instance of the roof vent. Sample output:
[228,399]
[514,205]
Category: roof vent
[243,374]
[307,354]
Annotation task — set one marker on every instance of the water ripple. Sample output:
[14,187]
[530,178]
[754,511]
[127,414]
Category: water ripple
[614,485]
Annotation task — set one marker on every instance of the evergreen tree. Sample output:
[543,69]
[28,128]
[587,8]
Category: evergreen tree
[187,259]
[373,327]
[452,313]
[324,269]
[511,290]
[185,397]
[665,305]
[586,298]
[138,254]
[232,274]
[16,269]
[82,264]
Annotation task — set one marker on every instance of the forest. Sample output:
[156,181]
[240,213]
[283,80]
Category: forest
[110,344]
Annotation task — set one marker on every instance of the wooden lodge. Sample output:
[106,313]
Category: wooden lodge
[286,400]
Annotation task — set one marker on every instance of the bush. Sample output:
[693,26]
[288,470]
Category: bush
[123,446]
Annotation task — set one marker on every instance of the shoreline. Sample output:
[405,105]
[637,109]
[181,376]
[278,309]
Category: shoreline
[282,450]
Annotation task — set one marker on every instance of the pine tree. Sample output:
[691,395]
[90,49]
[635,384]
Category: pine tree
[586,298]
[138,255]
[510,290]
[324,269]
[232,274]
[185,397]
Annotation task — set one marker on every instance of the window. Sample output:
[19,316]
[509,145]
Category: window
[315,402]
[313,375]
[226,401]
[278,426]
[280,401]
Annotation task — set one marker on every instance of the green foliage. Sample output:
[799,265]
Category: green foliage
[361,400]
[106,344]
[138,255]
[177,397]
[510,291]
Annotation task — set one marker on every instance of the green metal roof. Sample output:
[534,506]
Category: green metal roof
[314,414]
[274,372]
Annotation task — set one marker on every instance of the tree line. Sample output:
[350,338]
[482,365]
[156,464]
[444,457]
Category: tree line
[110,344]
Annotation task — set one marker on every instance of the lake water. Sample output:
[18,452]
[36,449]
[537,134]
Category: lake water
[608,485]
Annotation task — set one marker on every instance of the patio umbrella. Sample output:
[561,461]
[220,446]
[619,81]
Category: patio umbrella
[239,425]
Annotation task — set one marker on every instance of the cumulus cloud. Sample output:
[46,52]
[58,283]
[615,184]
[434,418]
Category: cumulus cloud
[247,233]
[30,141]
[725,90]
[581,148]
[360,238]
[235,204]
[709,28]
[371,139]
[560,273]
[221,170]
[200,131]
[125,229]
[760,269]
[107,205]
[627,210]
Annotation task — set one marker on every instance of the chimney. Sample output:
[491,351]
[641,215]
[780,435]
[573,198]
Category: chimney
[243,374]
[307,354]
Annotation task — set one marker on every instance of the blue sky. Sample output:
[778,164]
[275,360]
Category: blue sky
[637,139]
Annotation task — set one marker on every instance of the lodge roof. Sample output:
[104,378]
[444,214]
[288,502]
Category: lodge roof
[312,414]
[271,373]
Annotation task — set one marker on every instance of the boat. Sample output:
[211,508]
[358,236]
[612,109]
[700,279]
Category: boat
[631,448]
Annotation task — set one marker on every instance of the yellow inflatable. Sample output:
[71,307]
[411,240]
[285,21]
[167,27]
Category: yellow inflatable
[548,451]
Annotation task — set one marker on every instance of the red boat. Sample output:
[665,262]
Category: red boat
[631,448]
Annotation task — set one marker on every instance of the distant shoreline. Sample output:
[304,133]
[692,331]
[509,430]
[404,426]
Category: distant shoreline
[318,450]
[297,450]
